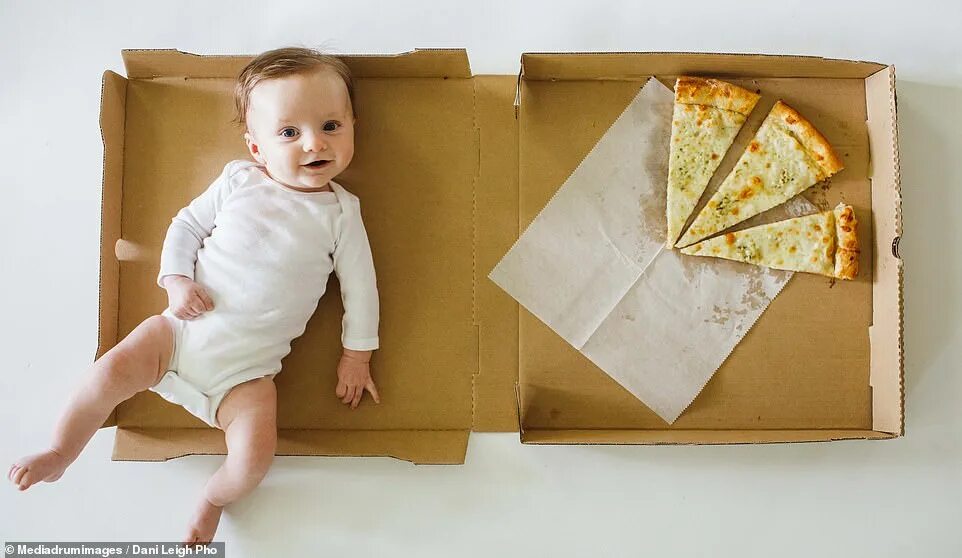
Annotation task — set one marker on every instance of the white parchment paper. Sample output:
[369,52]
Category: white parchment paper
[592,265]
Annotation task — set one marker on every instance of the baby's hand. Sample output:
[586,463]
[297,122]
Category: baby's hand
[187,299]
[354,376]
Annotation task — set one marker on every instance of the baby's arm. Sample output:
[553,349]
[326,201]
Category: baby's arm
[185,236]
[354,266]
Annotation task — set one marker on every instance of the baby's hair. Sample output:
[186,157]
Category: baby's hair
[283,62]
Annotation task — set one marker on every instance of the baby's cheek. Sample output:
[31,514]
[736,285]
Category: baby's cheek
[348,152]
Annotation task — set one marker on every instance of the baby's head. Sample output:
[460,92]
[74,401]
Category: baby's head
[298,106]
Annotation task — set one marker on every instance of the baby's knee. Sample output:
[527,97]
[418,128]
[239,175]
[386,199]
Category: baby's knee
[155,325]
[119,371]
[133,365]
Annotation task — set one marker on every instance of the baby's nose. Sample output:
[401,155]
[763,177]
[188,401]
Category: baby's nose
[314,143]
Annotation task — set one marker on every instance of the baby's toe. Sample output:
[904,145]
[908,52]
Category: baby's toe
[27,480]
[18,476]
[191,538]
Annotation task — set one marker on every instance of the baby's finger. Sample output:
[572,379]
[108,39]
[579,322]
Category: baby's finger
[341,390]
[198,305]
[373,389]
[357,398]
[350,394]
[205,298]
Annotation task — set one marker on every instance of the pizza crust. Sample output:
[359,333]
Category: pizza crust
[812,140]
[714,93]
[846,242]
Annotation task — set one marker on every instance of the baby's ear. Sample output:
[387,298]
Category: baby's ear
[253,148]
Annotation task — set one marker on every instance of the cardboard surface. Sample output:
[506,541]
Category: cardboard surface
[807,365]
[447,177]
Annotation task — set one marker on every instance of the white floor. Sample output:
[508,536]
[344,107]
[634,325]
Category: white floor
[888,498]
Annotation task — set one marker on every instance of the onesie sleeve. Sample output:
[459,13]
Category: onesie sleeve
[354,266]
[192,225]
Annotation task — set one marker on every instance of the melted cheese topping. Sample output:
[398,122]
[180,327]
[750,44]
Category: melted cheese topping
[772,170]
[700,137]
[802,244]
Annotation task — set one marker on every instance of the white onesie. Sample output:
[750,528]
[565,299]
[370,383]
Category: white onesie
[263,252]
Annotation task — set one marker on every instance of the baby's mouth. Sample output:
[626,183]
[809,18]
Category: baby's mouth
[317,164]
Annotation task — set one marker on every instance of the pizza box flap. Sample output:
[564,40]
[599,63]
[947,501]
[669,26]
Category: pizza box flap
[425,63]
[113,98]
[539,66]
[886,333]
[673,437]
[437,447]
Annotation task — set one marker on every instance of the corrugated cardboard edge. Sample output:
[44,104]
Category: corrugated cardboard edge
[113,98]
[540,66]
[475,239]
[691,437]
[888,392]
[422,447]
[624,65]
[421,62]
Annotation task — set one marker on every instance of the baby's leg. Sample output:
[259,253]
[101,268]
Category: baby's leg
[133,365]
[248,416]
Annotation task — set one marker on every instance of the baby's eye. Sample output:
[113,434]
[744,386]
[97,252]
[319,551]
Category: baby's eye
[288,132]
[331,125]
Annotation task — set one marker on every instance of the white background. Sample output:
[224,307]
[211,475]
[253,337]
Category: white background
[883,498]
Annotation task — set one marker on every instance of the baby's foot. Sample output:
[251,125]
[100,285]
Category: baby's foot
[46,466]
[204,524]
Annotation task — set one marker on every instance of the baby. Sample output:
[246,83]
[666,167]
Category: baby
[244,266]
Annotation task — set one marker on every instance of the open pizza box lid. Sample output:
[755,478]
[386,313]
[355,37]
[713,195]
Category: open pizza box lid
[450,168]
[417,169]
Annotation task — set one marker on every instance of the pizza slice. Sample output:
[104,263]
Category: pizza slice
[786,156]
[824,243]
[707,116]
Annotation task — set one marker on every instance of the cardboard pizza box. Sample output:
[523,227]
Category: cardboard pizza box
[824,361]
[450,167]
